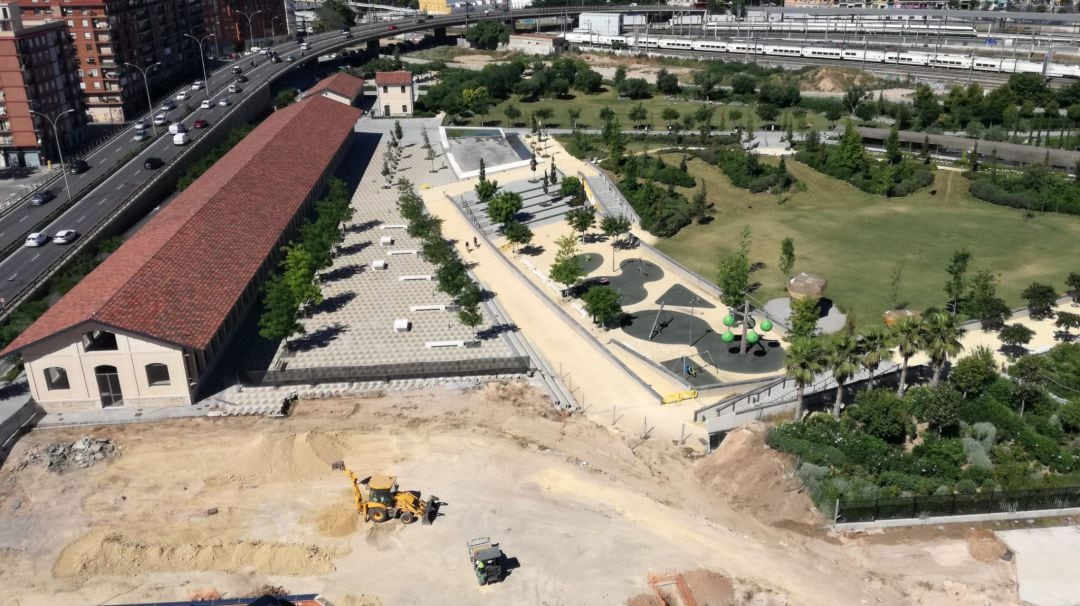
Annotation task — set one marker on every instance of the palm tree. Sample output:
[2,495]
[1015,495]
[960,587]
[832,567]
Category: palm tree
[843,359]
[803,361]
[874,349]
[909,340]
[941,340]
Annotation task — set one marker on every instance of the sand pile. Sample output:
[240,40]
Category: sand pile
[339,520]
[754,478]
[287,457]
[101,553]
[984,546]
[834,80]
[710,588]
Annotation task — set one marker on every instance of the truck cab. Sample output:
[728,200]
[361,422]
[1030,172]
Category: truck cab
[487,559]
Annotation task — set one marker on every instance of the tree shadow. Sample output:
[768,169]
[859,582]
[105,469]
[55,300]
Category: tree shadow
[334,303]
[318,339]
[531,250]
[494,331]
[352,249]
[1064,336]
[341,273]
[356,228]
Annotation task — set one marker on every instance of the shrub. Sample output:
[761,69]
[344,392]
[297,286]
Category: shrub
[940,458]
[985,433]
[967,487]
[745,171]
[1069,415]
[881,413]
[976,455]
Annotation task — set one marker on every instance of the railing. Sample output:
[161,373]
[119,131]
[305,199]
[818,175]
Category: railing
[902,508]
[388,372]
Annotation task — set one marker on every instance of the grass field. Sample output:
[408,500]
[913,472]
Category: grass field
[590,106]
[857,240]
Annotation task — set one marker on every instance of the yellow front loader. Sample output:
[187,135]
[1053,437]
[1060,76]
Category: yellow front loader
[385,502]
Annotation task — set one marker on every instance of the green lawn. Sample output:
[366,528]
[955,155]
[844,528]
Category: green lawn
[590,106]
[856,240]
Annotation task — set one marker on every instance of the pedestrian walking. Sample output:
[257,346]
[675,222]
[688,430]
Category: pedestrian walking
[476,242]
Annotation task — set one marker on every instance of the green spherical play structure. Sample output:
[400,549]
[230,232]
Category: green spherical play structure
[728,336]
[729,320]
[766,325]
[752,337]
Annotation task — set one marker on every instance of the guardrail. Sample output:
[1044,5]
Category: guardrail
[388,372]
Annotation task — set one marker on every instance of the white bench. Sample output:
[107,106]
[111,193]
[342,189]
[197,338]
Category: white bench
[414,278]
[402,252]
[433,308]
[401,325]
[379,264]
[386,240]
[393,226]
[441,344]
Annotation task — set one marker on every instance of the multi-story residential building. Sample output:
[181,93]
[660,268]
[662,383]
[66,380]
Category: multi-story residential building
[228,19]
[37,74]
[106,34]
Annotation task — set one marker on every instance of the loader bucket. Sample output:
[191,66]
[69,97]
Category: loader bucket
[430,510]
[337,465]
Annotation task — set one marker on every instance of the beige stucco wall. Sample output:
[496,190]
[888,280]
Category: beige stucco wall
[133,353]
[395,99]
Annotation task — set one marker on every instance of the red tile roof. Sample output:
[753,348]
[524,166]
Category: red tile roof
[181,274]
[393,78]
[341,83]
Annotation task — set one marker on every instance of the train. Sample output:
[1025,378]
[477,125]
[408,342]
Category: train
[846,27]
[839,53]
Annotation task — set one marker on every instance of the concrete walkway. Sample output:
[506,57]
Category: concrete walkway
[1046,560]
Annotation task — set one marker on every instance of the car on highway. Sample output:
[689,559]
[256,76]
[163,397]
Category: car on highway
[205,104]
[275,59]
[236,69]
[391,28]
[41,197]
[65,236]
[177,127]
[168,105]
[36,239]
[197,85]
[241,78]
[234,88]
[224,102]
[160,120]
[304,46]
[290,58]
[140,124]
[140,136]
[180,139]
[200,123]
[77,166]
[153,163]
[181,96]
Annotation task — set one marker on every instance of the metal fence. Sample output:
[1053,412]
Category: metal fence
[388,372]
[901,508]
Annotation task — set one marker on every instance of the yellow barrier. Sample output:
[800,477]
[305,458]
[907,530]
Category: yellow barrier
[679,396]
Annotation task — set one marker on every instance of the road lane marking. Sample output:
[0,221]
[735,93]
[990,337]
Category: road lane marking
[122,186]
[119,149]
[79,220]
[36,257]
[24,218]
[12,278]
[101,202]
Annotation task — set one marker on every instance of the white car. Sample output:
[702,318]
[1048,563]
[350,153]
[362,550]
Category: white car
[181,96]
[140,136]
[224,102]
[197,85]
[37,239]
[65,236]
[234,88]
[160,120]
[140,124]
[168,105]
[205,104]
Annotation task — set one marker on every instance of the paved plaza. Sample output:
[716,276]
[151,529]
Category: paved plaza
[537,208]
[378,279]
[468,145]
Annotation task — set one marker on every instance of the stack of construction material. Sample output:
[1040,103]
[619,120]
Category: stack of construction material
[60,456]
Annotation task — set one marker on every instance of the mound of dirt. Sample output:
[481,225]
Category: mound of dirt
[286,457]
[710,588]
[834,80]
[336,520]
[100,553]
[984,546]
[644,599]
[757,479]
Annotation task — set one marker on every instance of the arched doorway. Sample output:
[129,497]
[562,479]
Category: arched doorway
[108,382]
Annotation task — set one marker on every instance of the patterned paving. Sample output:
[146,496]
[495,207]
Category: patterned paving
[355,325]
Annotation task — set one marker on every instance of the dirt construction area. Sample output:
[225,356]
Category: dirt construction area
[586,516]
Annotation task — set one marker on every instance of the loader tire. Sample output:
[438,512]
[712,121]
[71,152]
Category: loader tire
[407,517]
[378,515]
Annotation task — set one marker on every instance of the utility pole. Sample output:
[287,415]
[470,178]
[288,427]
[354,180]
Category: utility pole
[206,80]
[251,32]
[59,150]
[146,83]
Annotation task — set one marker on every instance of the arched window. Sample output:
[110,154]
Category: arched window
[99,340]
[56,378]
[157,374]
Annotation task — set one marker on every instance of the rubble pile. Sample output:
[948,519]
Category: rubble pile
[60,456]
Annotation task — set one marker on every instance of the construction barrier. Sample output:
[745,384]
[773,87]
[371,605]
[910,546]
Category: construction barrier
[679,396]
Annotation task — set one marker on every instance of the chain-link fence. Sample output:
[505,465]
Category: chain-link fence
[956,505]
[388,372]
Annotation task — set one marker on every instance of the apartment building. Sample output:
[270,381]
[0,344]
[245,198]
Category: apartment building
[106,34]
[228,19]
[37,74]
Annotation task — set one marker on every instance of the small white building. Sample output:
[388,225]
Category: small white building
[533,44]
[397,94]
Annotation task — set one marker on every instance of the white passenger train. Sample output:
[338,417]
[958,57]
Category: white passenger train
[845,27]
[923,59]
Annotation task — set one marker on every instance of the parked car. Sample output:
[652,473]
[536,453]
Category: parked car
[153,163]
[197,85]
[177,127]
[234,88]
[205,104]
[140,136]
[181,96]
[236,69]
[241,78]
[200,123]
[224,102]
[65,236]
[168,105]
[77,166]
[36,239]
[160,120]
[180,139]
[41,197]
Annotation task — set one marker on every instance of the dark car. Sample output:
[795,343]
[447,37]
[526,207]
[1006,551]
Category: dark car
[78,166]
[41,197]
[242,79]
[153,163]
[236,69]
[200,123]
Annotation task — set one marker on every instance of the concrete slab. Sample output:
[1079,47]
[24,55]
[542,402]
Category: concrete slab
[1046,564]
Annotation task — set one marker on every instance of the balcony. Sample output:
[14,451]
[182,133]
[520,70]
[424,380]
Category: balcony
[8,141]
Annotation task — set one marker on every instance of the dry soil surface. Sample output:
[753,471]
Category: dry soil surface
[226,505]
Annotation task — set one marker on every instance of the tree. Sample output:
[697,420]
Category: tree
[485,190]
[285,97]
[743,84]
[700,208]
[620,76]
[278,320]
[804,359]
[588,81]
[853,96]
[1027,374]
[397,130]
[575,115]
[882,414]
[849,157]
[787,256]
[767,111]
[614,226]
[1015,337]
[635,88]
[940,340]
[983,303]
[602,303]
[502,208]
[607,114]
[544,114]
[638,114]
[909,341]
[572,188]
[517,233]
[873,350]
[581,219]
[1072,282]
[334,15]
[670,114]
[892,147]
[667,82]
[975,372]
[427,141]
[957,283]
[733,274]
[299,275]
[566,269]
[842,358]
[477,100]
[804,318]
[470,315]
[487,35]
[1067,321]
[452,277]
[703,116]
[483,172]
[1041,299]
[512,113]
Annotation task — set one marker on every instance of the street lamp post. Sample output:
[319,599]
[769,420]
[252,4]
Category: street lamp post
[146,83]
[251,32]
[206,80]
[59,150]
[273,28]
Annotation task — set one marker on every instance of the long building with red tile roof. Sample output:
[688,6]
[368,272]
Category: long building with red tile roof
[341,87]
[149,322]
